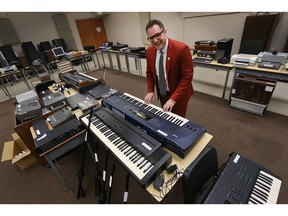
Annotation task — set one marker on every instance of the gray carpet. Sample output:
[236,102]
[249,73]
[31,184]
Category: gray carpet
[261,139]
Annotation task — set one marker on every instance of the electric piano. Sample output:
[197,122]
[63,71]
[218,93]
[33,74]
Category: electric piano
[176,133]
[244,182]
[140,154]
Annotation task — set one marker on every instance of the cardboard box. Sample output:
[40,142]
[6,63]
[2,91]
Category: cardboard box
[18,153]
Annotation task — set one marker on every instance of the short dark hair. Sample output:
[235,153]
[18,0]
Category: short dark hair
[154,22]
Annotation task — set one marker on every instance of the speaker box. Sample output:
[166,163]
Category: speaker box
[224,47]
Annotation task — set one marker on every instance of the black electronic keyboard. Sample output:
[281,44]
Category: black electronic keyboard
[244,182]
[174,132]
[140,154]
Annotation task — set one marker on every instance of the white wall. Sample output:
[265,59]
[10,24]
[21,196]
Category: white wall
[124,27]
[39,26]
[214,27]
[35,27]
[189,27]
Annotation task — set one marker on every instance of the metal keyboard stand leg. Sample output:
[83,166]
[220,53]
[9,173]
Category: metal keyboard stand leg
[58,173]
[60,151]
[81,173]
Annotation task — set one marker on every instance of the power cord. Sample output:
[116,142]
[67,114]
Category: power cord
[165,186]
[158,182]
[171,168]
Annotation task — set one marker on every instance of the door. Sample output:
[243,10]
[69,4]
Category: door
[92,32]
[257,34]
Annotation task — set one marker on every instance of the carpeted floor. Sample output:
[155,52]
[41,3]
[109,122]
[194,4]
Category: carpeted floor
[261,139]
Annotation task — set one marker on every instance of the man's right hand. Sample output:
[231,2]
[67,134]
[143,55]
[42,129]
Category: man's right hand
[149,97]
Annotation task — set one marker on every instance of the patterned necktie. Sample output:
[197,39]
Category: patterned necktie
[162,82]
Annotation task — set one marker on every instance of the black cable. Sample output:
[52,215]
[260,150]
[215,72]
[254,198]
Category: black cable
[168,185]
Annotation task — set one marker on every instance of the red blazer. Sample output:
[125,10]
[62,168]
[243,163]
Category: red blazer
[179,71]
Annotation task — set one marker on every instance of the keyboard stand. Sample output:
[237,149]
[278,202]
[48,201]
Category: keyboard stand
[51,156]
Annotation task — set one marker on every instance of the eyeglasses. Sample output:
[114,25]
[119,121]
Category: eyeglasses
[157,36]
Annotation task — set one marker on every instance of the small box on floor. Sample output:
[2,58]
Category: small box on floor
[18,153]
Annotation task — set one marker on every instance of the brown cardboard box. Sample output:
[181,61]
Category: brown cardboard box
[18,153]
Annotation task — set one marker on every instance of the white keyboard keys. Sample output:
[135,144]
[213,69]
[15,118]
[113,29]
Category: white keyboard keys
[169,116]
[266,189]
[132,159]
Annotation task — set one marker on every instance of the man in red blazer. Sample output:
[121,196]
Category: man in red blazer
[178,67]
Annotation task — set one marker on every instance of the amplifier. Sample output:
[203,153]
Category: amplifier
[206,53]
[205,42]
[205,47]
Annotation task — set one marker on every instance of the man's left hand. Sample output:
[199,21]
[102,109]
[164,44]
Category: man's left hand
[168,105]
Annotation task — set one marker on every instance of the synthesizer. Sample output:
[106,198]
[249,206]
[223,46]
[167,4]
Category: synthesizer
[140,154]
[176,133]
[48,140]
[79,81]
[243,181]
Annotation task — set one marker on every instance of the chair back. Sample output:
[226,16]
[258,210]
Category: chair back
[198,173]
[9,55]
[44,46]
[30,52]
[61,42]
